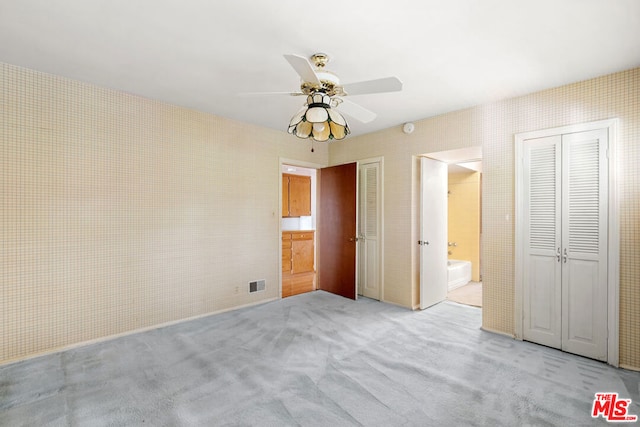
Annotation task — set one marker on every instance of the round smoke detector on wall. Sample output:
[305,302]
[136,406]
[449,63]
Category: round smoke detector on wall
[408,127]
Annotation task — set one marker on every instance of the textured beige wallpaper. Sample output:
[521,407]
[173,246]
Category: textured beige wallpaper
[118,213]
[493,127]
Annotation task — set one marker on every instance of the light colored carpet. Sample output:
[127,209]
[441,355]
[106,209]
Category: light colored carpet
[312,360]
[469,294]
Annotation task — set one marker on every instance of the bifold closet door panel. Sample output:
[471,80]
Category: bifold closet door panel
[584,243]
[542,306]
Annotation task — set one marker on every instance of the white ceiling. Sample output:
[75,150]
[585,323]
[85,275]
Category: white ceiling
[450,54]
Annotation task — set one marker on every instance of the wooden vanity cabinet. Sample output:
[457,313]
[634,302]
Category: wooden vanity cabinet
[286,252]
[298,272]
[296,195]
[302,252]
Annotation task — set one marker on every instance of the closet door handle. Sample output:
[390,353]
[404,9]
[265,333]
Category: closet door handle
[565,255]
[558,254]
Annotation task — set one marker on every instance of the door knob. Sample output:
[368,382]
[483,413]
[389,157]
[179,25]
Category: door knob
[353,239]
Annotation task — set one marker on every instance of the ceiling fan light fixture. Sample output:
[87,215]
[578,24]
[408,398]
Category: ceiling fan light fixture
[337,118]
[338,131]
[318,121]
[302,129]
[321,132]
[317,114]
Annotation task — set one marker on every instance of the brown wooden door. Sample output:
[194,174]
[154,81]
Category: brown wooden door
[337,230]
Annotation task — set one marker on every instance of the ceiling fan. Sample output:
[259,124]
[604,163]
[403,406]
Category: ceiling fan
[319,119]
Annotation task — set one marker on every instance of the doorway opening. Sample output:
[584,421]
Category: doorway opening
[463,223]
[298,230]
[332,240]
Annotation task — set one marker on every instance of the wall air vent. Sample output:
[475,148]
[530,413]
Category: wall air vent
[257,286]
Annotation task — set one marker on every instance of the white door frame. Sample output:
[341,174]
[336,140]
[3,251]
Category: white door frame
[613,262]
[380,267]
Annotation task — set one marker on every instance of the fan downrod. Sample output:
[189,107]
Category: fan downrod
[319,59]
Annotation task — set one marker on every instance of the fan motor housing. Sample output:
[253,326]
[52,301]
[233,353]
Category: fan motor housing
[329,82]
[328,87]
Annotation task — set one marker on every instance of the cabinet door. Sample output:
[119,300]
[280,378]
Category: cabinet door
[285,195]
[286,252]
[286,259]
[299,195]
[287,290]
[301,283]
[302,256]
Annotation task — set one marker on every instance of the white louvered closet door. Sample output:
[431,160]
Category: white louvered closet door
[542,308]
[565,265]
[584,243]
[369,235]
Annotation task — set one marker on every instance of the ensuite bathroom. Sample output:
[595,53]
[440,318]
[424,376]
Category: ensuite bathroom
[464,268]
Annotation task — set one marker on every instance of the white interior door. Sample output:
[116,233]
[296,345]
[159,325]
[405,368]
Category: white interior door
[369,225]
[584,240]
[433,232]
[542,305]
[565,221]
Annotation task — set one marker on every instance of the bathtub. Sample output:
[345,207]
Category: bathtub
[458,273]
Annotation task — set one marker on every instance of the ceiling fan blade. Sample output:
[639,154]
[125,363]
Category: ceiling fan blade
[387,84]
[303,68]
[356,111]
[252,94]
